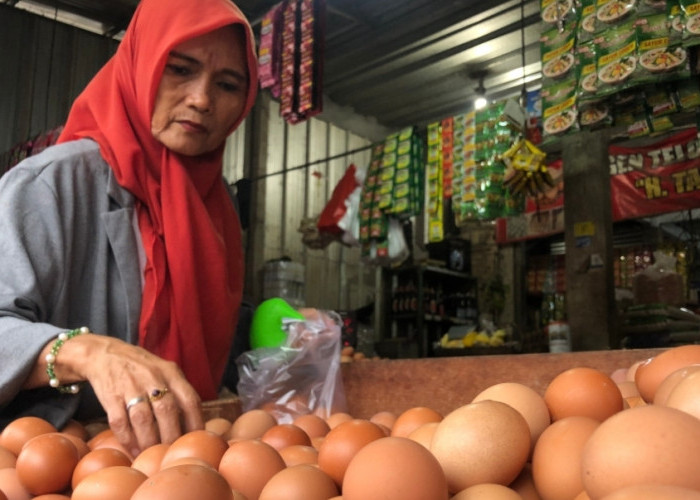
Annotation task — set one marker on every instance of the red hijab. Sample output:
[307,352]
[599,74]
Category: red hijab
[190,231]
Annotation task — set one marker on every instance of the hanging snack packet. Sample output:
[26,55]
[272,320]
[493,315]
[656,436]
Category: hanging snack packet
[588,76]
[658,59]
[633,116]
[617,57]
[611,13]
[675,20]
[557,12]
[559,109]
[587,25]
[691,21]
[687,94]
[660,100]
[595,114]
[652,7]
[557,53]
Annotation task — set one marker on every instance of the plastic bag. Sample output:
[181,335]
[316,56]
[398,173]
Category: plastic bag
[300,377]
[331,219]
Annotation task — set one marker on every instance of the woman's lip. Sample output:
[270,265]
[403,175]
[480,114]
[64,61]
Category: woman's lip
[192,126]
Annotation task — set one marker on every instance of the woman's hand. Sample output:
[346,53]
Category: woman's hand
[162,404]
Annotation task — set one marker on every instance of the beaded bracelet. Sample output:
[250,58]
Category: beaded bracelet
[51,359]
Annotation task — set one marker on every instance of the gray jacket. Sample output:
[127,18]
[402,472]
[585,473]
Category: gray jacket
[68,258]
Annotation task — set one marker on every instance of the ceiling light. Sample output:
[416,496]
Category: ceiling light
[480,101]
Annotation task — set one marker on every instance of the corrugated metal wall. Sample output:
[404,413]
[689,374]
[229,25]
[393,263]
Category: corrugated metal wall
[44,65]
[293,178]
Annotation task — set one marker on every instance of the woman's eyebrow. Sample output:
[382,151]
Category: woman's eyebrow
[242,77]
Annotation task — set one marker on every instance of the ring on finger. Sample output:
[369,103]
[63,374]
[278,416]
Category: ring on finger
[134,401]
[157,394]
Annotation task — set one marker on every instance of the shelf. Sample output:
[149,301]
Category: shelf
[434,318]
[426,284]
[448,272]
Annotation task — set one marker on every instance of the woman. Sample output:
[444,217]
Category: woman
[127,228]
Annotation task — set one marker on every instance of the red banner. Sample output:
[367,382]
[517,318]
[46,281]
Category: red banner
[655,179]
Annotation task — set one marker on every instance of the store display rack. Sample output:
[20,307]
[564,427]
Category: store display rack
[422,302]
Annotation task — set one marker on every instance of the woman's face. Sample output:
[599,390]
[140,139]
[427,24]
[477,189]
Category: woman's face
[202,92]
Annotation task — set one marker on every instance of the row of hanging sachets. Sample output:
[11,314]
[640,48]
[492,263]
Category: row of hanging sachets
[465,168]
[393,188]
[606,62]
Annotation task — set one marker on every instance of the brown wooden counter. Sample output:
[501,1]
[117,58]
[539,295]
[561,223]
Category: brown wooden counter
[446,383]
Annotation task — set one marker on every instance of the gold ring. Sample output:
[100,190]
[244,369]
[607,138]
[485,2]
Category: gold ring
[134,402]
[157,394]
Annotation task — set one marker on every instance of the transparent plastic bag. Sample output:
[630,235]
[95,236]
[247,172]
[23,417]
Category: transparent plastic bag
[300,377]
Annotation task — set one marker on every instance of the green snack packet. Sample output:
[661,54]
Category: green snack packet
[617,57]
[559,108]
[691,21]
[658,59]
[587,24]
[588,75]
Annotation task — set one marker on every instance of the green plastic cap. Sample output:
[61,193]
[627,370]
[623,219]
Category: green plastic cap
[266,329]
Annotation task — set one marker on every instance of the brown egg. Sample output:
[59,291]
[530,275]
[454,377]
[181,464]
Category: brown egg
[21,430]
[96,460]
[75,428]
[7,458]
[80,445]
[316,442]
[248,465]
[298,454]
[11,487]
[199,444]
[3,497]
[524,485]
[184,482]
[653,492]
[149,460]
[117,482]
[50,496]
[219,426]
[490,491]
[283,435]
[394,468]
[582,496]
[342,443]
[667,385]
[301,482]
[650,374]
[46,463]
[109,441]
[313,425]
[556,460]
[411,419]
[424,434]
[529,403]
[483,442]
[385,418]
[338,418]
[584,392]
[251,425]
[632,370]
[99,437]
[185,460]
[685,396]
[648,444]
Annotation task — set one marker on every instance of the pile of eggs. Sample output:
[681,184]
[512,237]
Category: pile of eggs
[631,434]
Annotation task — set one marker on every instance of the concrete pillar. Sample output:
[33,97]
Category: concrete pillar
[590,292]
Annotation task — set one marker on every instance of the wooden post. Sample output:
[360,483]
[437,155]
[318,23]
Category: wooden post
[590,292]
